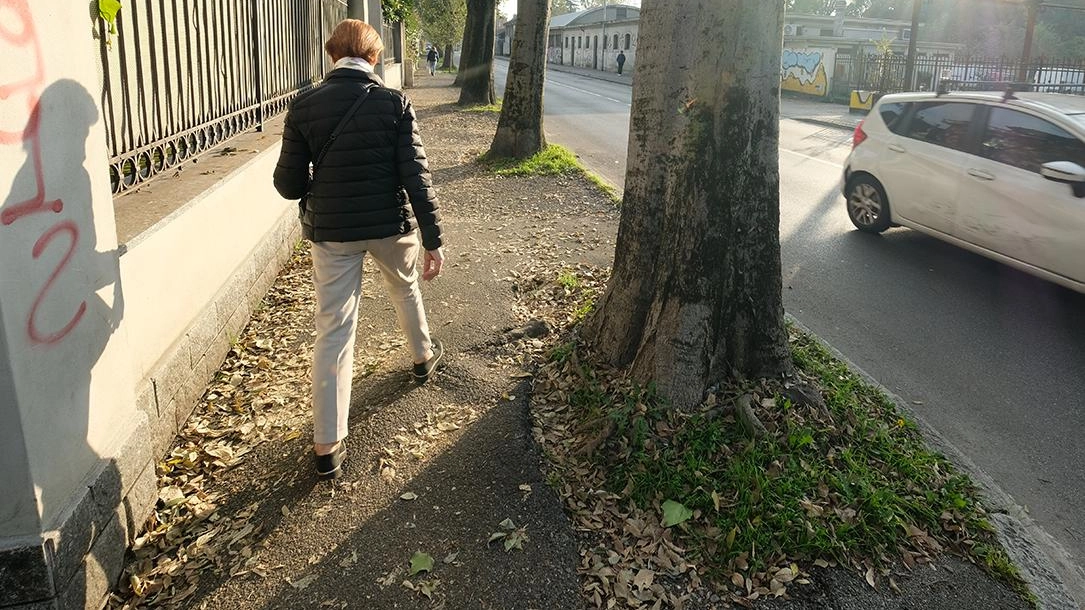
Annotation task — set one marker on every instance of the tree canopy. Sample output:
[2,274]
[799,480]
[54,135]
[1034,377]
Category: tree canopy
[442,21]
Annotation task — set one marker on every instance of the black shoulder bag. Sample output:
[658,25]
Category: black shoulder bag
[304,202]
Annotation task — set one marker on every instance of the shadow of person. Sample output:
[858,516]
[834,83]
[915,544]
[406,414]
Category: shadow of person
[54,279]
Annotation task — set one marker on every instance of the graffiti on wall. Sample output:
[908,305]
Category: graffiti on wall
[804,71]
[51,166]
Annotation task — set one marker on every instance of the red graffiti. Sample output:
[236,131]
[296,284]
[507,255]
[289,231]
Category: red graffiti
[36,335]
[25,37]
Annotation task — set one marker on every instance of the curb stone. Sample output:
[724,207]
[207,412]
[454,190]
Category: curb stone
[1052,576]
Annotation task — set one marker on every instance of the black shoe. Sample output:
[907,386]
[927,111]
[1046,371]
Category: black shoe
[330,466]
[422,372]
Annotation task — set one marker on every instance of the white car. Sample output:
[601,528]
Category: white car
[1000,174]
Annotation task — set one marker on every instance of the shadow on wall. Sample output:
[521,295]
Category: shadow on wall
[51,271]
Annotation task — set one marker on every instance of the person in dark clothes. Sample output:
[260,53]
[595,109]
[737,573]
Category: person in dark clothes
[369,192]
[432,57]
[621,61]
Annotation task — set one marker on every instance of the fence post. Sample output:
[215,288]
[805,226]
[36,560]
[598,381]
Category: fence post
[320,36]
[258,65]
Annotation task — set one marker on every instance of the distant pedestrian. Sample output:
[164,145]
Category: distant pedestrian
[432,57]
[621,61]
[374,196]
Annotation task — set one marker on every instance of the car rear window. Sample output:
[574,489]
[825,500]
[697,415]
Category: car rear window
[942,123]
[1026,141]
[891,114]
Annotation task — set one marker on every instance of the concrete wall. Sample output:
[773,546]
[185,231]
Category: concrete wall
[807,70]
[61,296]
[103,352]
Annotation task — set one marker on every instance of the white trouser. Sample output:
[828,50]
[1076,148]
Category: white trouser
[337,275]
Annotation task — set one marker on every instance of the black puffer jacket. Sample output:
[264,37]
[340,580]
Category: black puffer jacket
[375,181]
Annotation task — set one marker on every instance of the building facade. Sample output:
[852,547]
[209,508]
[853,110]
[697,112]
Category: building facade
[594,37]
[823,56]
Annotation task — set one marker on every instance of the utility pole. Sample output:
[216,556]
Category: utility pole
[1033,7]
[909,69]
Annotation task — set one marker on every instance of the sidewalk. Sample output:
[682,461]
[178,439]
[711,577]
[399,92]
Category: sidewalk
[810,110]
[626,78]
[435,469]
[793,107]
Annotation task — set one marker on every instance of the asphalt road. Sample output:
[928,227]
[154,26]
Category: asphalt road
[993,359]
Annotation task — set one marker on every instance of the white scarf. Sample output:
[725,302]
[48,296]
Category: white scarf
[354,63]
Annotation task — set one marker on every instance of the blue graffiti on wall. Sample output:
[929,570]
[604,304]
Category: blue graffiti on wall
[807,62]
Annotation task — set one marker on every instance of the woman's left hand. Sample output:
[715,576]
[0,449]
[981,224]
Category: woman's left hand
[432,263]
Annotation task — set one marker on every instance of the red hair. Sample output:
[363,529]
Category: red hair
[354,38]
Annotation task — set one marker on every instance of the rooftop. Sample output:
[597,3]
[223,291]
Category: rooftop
[589,15]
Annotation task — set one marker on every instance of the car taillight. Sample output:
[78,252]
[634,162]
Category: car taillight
[860,135]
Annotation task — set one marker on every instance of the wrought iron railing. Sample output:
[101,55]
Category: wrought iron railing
[888,74]
[183,76]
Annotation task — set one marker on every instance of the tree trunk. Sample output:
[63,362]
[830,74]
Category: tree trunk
[465,48]
[447,59]
[695,295]
[520,128]
[477,59]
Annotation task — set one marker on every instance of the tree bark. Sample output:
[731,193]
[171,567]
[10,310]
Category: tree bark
[695,296]
[465,48]
[520,128]
[476,71]
[446,61]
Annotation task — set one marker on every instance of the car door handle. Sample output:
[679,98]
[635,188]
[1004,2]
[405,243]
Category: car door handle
[982,175]
[896,148]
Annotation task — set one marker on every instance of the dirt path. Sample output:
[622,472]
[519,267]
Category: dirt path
[459,449]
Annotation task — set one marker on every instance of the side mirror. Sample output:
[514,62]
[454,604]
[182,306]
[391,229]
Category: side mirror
[1066,173]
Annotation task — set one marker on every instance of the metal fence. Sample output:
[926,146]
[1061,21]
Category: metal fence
[888,74]
[182,76]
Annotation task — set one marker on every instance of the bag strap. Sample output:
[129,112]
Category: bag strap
[339,130]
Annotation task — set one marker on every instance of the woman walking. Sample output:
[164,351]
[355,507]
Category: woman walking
[369,191]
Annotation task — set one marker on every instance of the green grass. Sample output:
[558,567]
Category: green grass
[495,107]
[603,185]
[581,295]
[856,485]
[551,160]
[568,280]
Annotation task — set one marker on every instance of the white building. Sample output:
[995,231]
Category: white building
[592,38]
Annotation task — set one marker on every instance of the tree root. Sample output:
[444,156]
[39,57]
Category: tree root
[744,410]
[803,393]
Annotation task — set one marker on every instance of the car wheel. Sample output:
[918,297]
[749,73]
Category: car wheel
[868,207]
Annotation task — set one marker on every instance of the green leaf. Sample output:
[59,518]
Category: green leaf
[515,540]
[508,524]
[675,513]
[495,536]
[421,562]
[108,9]
[731,537]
